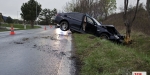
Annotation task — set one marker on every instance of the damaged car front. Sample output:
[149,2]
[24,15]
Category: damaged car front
[109,32]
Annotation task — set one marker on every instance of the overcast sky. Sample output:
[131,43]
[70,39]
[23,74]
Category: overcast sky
[12,7]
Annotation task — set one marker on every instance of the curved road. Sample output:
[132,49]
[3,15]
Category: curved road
[36,52]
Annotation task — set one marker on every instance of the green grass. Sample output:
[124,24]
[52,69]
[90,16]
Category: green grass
[2,29]
[102,57]
[21,27]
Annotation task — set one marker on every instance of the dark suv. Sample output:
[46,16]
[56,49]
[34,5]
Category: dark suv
[83,23]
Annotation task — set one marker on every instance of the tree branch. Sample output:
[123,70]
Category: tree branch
[135,11]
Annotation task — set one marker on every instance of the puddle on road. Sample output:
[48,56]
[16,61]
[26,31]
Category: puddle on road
[22,41]
[57,45]
[46,37]
[66,66]
[61,35]
[25,39]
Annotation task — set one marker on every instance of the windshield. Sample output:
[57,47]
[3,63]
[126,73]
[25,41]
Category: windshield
[96,21]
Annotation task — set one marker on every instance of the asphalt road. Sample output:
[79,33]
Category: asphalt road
[36,52]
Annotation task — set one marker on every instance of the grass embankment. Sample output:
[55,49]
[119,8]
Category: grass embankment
[3,29]
[102,57]
[19,26]
[140,24]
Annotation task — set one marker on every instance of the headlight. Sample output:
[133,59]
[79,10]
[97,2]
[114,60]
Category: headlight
[116,36]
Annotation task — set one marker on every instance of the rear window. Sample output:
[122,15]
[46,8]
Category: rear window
[77,16]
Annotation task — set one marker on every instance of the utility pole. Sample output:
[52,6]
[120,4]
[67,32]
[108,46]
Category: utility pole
[36,12]
[17,17]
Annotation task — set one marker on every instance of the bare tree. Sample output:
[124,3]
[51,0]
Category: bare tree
[127,21]
[71,5]
[95,8]
[148,6]
[107,6]
[1,19]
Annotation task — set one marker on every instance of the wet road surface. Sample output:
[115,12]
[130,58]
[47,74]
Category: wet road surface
[36,52]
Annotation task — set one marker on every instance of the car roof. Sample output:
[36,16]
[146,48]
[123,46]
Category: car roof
[76,15]
[76,12]
[72,13]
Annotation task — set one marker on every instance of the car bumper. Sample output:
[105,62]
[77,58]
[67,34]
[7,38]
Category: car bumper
[118,39]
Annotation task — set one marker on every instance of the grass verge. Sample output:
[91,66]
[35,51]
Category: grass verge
[102,57]
[19,26]
[3,29]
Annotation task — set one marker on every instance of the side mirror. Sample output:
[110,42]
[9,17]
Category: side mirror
[65,15]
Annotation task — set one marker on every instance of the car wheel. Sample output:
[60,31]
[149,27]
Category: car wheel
[104,36]
[64,26]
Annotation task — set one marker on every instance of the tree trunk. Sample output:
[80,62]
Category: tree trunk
[32,24]
[0,24]
[128,23]
[128,32]
[148,6]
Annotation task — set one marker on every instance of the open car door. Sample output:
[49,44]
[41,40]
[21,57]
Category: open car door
[76,21]
[91,27]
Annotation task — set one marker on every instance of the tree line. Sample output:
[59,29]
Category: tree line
[5,19]
[31,10]
[46,15]
[32,13]
[98,9]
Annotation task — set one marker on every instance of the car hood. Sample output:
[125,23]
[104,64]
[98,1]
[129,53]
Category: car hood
[110,28]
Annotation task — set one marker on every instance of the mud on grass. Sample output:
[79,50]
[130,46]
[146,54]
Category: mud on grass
[102,57]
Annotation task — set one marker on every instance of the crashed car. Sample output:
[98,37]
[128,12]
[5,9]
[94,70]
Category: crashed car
[83,23]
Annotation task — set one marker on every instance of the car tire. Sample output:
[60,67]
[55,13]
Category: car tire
[64,26]
[104,36]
